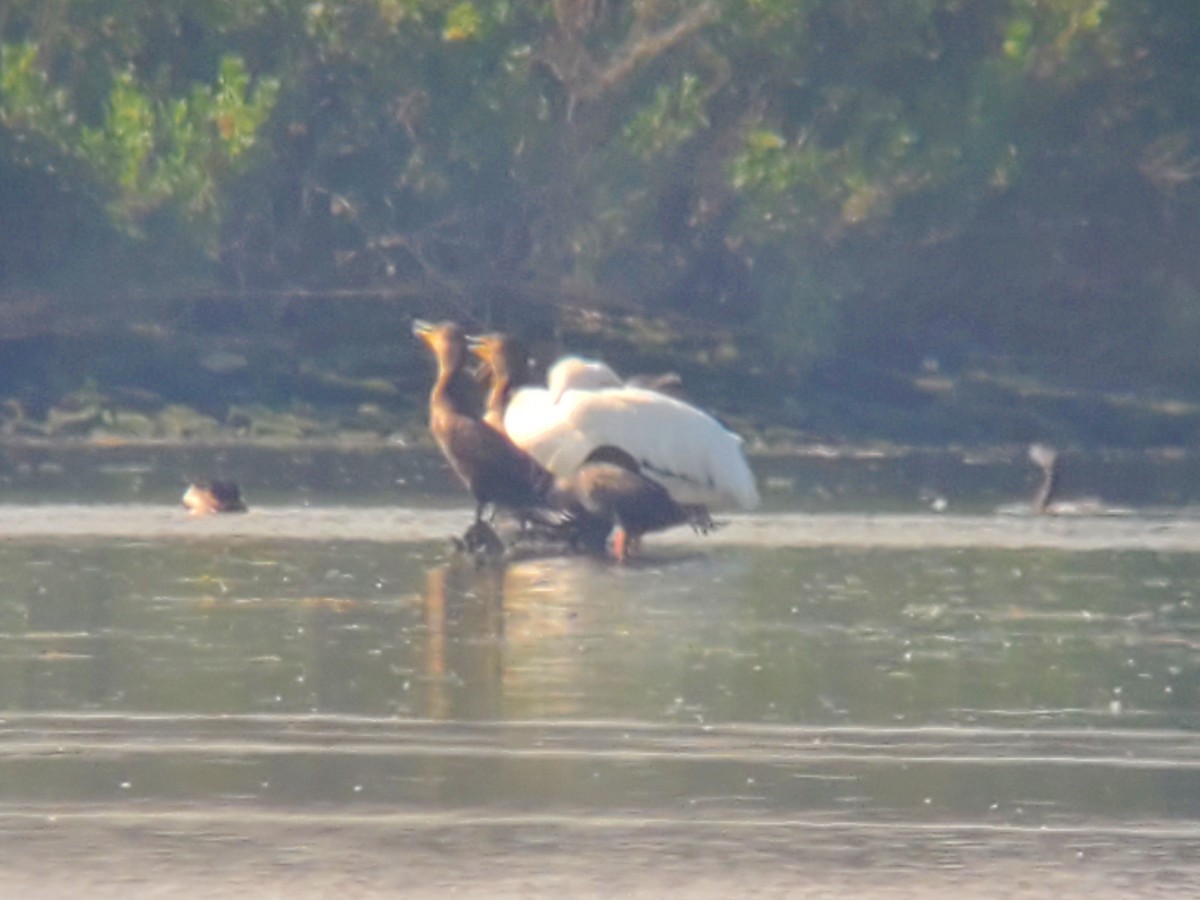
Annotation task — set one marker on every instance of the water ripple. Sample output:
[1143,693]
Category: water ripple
[33,734]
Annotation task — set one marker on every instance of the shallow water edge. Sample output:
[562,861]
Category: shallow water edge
[411,525]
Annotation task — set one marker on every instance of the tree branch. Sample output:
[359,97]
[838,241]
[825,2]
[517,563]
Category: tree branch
[636,51]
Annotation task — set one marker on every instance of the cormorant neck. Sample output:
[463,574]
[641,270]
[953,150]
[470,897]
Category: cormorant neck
[497,402]
[442,397]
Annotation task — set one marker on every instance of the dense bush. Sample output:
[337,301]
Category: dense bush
[905,179]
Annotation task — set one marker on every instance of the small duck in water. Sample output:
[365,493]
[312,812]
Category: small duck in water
[203,498]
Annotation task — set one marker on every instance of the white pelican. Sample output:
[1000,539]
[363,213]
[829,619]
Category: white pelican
[611,496]
[577,373]
[587,408]
[590,374]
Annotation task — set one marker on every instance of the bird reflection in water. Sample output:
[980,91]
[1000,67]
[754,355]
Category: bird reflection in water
[464,626]
[500,635]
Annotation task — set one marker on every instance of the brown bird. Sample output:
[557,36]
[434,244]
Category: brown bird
[494,469]
[611,493]
[204,498]
[631,504]
[507,364]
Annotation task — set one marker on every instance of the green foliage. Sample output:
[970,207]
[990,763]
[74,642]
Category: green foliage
[176,153]
[783,163]
[784,181]
[675,115]
[147,154]
[30,105]
[464,22]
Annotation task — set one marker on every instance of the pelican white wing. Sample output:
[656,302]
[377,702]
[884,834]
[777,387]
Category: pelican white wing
[683,448]
[577,372]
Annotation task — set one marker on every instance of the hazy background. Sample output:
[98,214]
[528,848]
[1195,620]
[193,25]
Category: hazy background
[925,221]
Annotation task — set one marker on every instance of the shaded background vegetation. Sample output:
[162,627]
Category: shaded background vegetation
[921,220]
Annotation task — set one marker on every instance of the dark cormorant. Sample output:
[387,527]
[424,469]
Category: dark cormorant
[494,469]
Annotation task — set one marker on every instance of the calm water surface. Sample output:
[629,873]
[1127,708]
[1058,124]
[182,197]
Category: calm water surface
[313,699]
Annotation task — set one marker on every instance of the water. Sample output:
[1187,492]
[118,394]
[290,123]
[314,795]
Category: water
[319,698]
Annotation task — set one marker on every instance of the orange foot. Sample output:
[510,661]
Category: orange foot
[620,544]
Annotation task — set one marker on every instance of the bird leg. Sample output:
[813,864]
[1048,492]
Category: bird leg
[699,519]
[620,544]
[481,537]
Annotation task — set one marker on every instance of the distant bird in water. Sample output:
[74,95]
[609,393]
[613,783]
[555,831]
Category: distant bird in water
[494,469]
[1046,500]
[1045,458]
[586,406]
[203,498]
[612,495]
